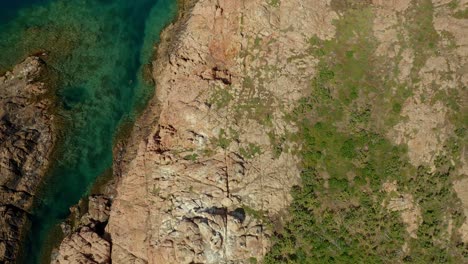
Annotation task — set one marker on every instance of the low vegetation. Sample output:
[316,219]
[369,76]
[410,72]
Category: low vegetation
[338,213]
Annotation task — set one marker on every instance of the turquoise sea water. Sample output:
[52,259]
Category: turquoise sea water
[98,48]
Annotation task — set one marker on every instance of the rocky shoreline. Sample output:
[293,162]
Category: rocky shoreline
[27,138]
[86,238]
[205,175]
[188,189]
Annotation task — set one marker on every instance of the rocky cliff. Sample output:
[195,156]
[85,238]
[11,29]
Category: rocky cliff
[207,172]
[208,160]
[26,142]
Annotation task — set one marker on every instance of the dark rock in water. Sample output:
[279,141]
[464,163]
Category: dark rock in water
[26,142]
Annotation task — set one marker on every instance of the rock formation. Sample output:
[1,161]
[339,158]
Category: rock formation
[86,243]
[211,161]
[208,160]
[26,142]
[211,158]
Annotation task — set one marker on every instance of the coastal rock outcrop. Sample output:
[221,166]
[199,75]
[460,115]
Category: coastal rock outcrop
[87,243]
[26,143]
[207,173]
[84,246]
[210,164]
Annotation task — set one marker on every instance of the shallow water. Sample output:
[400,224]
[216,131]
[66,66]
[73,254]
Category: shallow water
[98,49]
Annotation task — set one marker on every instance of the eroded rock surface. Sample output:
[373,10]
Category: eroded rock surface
[26,142]
[86,241]
[84,246]
[214,159]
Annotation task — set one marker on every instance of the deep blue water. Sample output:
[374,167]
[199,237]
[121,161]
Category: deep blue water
[10,8]
[98,49]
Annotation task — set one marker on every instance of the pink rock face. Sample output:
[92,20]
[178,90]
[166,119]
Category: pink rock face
[203,169]
[205,176]
[209,164]
[84,246]
[99,207]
